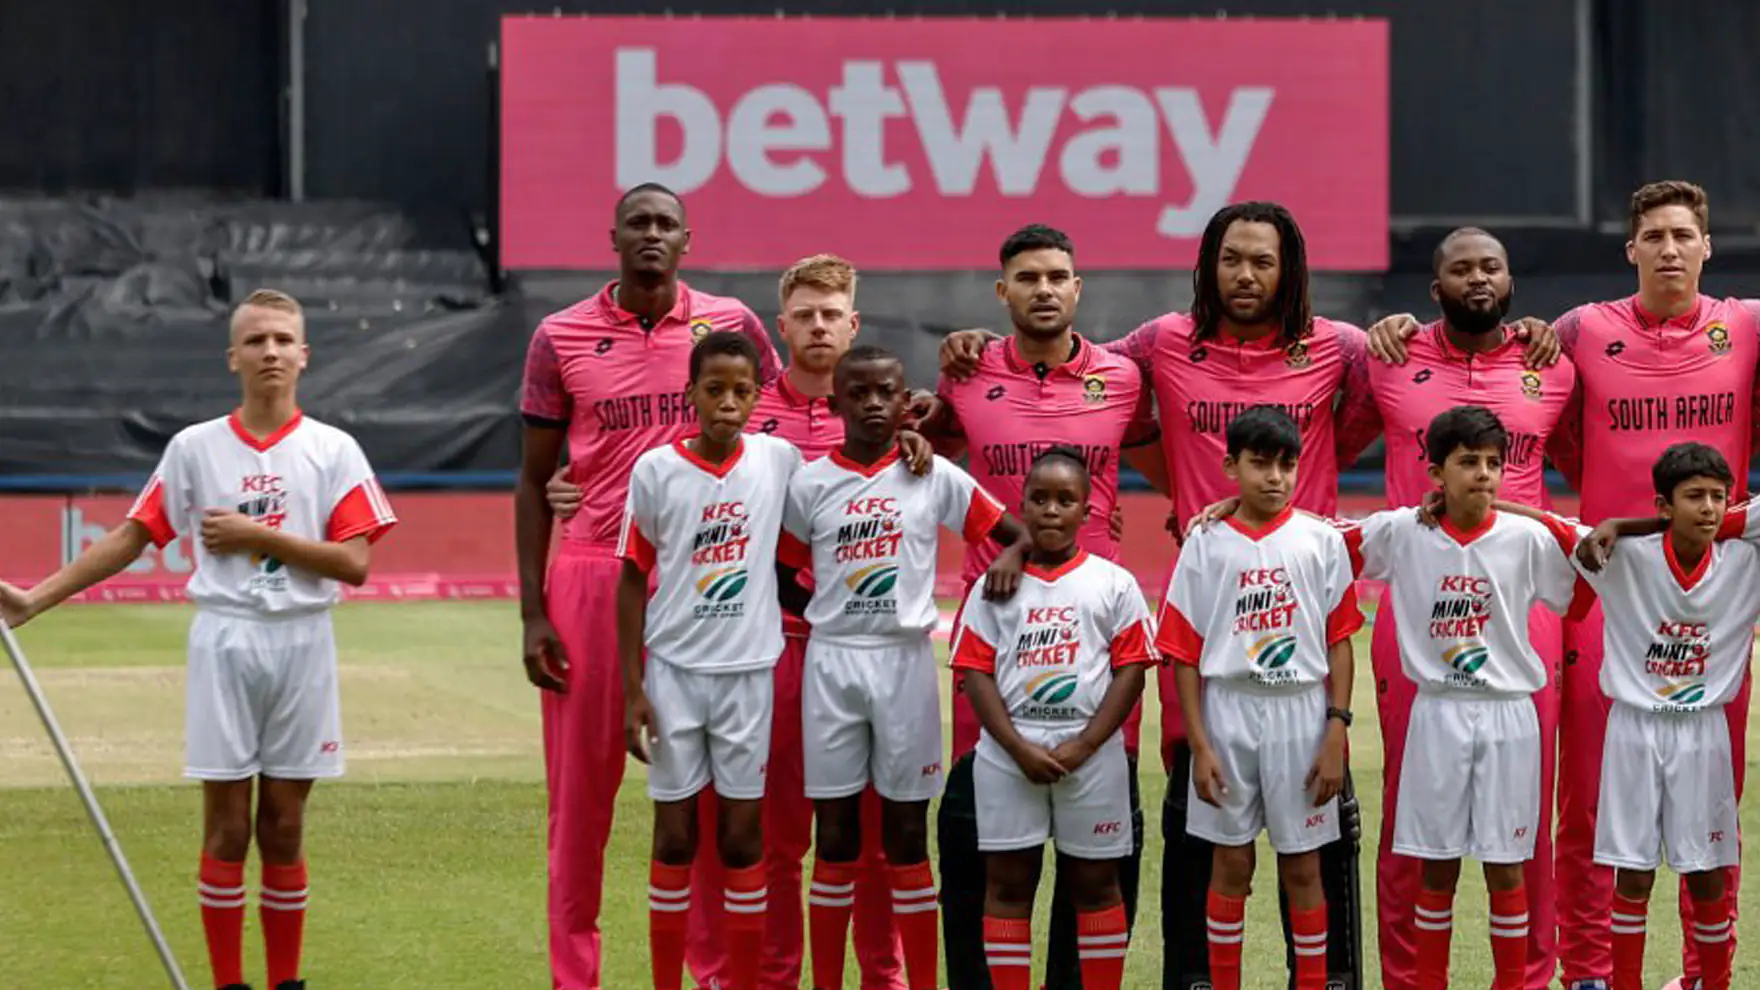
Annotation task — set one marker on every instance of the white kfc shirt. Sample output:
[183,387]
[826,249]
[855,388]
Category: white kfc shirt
[1261,606]
[710,531]
[873,532]
[1676,640]
[309,479]
[1053,646]
[1461,600]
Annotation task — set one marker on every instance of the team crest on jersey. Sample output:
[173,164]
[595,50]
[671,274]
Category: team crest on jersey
[700,328]
[1296,355]
[1094,389]
[1677,695]
[1531,384]
[1717,337]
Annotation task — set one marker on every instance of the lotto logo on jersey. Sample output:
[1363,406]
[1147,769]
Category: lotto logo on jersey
[1678,652]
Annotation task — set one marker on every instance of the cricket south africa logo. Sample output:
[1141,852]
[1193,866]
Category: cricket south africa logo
[1050,646]
[263,498]
[1459,614]
[1265,611]
[1677,656]
[720,545]
[870,535]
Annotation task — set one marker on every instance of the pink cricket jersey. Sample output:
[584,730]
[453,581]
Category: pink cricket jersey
[1200,386]
[808,423]
[1648,383]
[618,387]
[1438,376]
[1094,402]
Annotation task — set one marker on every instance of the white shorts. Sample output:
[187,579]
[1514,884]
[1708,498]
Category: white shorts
[1470,786]
[1667,778]
[872,714]
[711,726]
[1087,812]
[1266,742]
[262,698]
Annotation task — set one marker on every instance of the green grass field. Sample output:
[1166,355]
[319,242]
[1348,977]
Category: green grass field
[428,860]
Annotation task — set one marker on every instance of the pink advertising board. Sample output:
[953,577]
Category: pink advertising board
[919,144]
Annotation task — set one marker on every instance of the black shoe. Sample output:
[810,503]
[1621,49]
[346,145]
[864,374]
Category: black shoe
[237,986]
[291,985]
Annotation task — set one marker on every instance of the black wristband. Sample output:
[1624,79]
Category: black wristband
[1342,714]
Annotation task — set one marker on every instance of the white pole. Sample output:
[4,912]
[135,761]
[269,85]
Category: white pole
[90,800]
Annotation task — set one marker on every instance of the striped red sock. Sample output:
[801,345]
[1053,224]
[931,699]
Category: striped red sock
[830,901]
[282,907]
[220,889]
[746,904]
[1631,920]
[919,924]
[1226,918]
[1008,948]
[1714,935]
[1102,938]
[1308,931]
[1435,929]
[1509,938]
[669,903]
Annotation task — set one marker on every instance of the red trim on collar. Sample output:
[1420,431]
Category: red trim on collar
[1049,574]
[1257,534]
[1464,537]
[718,470]
[263,445]
[865,470]
[1687,581]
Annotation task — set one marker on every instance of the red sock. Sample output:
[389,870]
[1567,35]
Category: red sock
[1630,919]
[1008,948]
[220,888]
[1435,928]
[1713,934]
[1101,940]
[919,924]
[1308,930]
[283,912]
[669,903]
[1509,938]
[745,906]
[829,903]
[1226,918]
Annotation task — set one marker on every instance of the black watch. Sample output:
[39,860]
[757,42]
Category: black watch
[1342,714]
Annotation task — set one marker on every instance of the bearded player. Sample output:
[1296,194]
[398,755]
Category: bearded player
[605,376]
[285,508]
[1665,364]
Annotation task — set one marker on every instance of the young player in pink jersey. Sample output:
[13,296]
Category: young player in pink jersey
[1259,617]
[818,323]
[1468,356]
[701,521]
[286,508]
[1046,385]
[1053,671]
[868,529]
[1462,595]
[1251,333]
[1680,632]
[605,378]
[1662,363]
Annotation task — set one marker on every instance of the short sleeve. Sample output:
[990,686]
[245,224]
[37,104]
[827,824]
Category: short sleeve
[795,546]
[979,630]
[1131,636]
[544,398]
[164,501]
[634,537]
[1138,347]
[1344,615]
[1741,522]
[1177,638]
[961,504]
[944,390]
[1557,582]
[1369,542]
[358,506]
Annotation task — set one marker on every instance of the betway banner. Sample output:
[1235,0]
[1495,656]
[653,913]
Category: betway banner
[920,144]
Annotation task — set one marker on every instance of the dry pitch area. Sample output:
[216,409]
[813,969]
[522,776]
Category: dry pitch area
[428,859]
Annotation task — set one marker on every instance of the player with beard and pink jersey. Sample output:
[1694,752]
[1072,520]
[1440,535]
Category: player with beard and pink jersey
[605,377]
[818,323]
[1469,357]
[1252,338]
[1657,367]
[1045,386]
